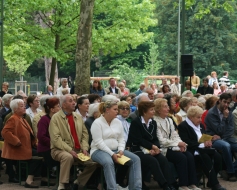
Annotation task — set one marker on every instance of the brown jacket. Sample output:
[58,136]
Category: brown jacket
[17,130]
[60,134]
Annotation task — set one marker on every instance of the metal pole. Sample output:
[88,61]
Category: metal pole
[178,57]
[183,27]
[183,40]
[1,43]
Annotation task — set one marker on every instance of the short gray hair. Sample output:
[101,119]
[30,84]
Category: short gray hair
[14,104]
[43,99]
[62,99]
[62,79]
[193,111]
[109,98]
[138,98]
[93,108]
[6,98]
[187,92]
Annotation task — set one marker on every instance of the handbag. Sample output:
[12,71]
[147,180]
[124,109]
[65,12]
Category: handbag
[209,151]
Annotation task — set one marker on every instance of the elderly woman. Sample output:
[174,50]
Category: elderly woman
[187,93]
[18,142]
[143,141]
[40,114]
[93,113]
[208,159]
[51,107]
[33,103]
[108,145]
[124,111]
[97,88]
[174,148]
[121,85]
[82,107]
[184,104]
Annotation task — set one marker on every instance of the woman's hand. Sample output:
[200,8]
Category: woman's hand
[208,144]
[182,146]
[155,149]
[120,153]
[115,157]
[85,152]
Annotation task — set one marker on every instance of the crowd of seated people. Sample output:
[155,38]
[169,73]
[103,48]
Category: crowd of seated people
[153,129]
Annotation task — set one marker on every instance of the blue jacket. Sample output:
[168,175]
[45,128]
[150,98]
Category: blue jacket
[215,126]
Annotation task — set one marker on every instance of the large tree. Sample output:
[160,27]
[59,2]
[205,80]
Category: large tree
[47,29]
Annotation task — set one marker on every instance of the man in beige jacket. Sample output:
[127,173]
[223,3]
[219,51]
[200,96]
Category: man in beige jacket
[69,136]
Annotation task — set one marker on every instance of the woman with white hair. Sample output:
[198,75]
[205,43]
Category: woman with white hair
[20,143]
[93,113]
[40,114]
[190,131]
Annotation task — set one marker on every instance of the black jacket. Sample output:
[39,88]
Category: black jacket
[209,90]
[140,135]
[188,135]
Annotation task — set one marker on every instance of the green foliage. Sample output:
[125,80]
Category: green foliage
[34,26]
[135,76]
[211,38]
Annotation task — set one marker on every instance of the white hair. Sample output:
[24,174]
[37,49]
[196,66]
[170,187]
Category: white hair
[6,98]
[14,104]
[92,109]
[63,79]
[43,99]
[109,98]
[138,98]
[184,94]
[62,99]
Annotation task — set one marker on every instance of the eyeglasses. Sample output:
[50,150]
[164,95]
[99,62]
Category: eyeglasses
[125,109]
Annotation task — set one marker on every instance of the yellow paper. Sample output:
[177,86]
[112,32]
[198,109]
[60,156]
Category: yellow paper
[205,138]
[1,144]
[83,157]
[123,159]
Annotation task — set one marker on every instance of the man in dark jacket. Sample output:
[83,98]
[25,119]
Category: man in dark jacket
[219,124]
[205,89]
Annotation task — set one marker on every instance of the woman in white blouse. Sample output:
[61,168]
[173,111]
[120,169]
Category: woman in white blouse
[108,145]
[174,148]
[184,104]
[33,103]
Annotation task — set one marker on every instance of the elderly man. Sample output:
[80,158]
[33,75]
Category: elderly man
[219,122]
[141,98]
[63,86]
[140,90]
[5,90]
[49,90]
[69,136]
[113,89]
[6,99]
[150,93]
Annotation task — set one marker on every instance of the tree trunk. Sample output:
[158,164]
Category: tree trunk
[54,61]
[48,65]
[84,48]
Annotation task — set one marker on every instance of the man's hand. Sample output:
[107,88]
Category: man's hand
[74,154]
[85,152]
[226,113]
[208,144]
[215,137]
